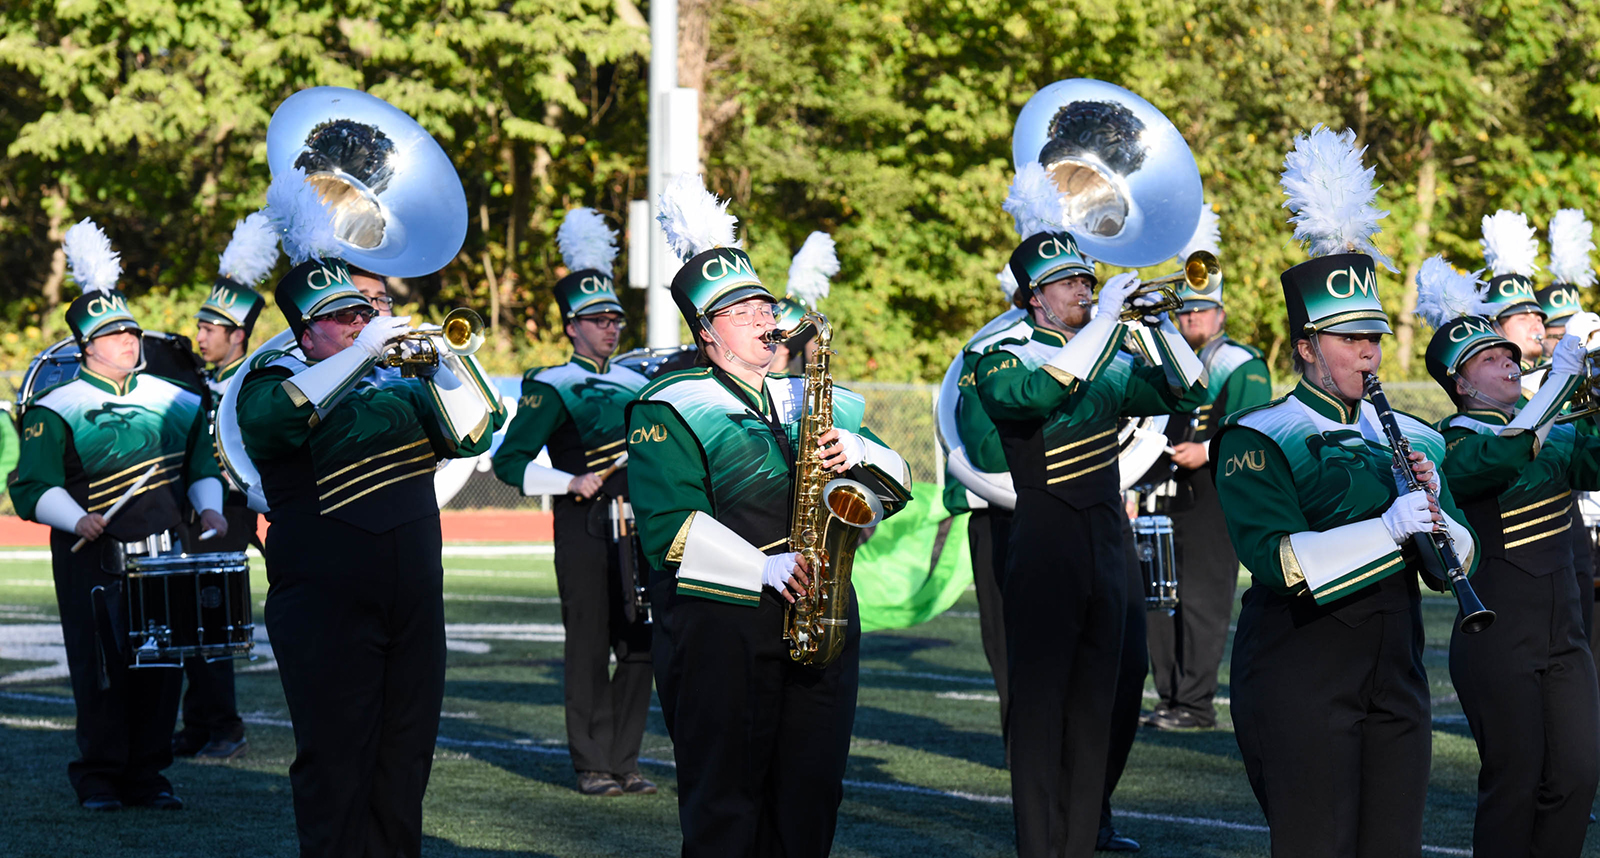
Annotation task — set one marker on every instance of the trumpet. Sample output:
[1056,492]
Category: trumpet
[462,334]
[1201,273]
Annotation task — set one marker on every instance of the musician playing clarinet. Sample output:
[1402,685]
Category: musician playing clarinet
[86,444]
[1527,684]
[1330,700]
[576,409]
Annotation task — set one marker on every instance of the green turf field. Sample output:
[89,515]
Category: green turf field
[926,770]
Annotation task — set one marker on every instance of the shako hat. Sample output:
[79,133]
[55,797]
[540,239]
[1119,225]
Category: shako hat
[1453,304]
[1511,250]
[810,277]
[250,255]
[1571,242]
[1331,195]
[102,308]
[1048,252]
[589,250]
[1207,236]
[715,272]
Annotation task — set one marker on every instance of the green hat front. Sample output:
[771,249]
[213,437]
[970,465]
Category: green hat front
[1193,300]
[584,293]
[1510,294]
[1334,294]
[231,305]
[1559,302]
[1456,341]
[1045,257]
[315,288]
[95,314]
[717,278]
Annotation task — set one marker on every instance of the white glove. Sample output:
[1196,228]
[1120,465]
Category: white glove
[379,332]
[1409,514]
[1145,301]
[855,449]
[1583,326]
[1114,294]
[1567,359]
[779,568]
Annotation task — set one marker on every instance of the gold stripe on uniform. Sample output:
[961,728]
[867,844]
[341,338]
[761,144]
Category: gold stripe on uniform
[604,447]
[1293,576]
[1540,520]
[113,489]
[1536,505]
[604,459]
[1064,462]
[1065,447]
[139,467]
[1089,470]
[146,488]
[1538,536]
[773,544]
[425,472]
[1344,585]
[675,552]
[373,473]
[371,458]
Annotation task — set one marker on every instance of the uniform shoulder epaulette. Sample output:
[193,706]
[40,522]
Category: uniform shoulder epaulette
[1417,420]
[1009,335]
[41,394]
[266,359]
[1234,418]
[1254,352]
[674,377]
[530,374]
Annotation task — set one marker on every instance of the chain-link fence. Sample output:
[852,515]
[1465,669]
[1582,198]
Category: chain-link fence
[900,414]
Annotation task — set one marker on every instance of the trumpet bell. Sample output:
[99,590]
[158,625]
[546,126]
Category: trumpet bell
[1131,188]
[1202,272]
[463,331]
[398,206]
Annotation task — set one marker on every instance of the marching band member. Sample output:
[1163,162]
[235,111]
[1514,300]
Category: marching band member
[1527,683]
[577,409]
[1055,384]
[85,443]
[1186,648]
[212,728]
[375,288]
[759,738]
[1329,696]
[355,607]
[1510,248]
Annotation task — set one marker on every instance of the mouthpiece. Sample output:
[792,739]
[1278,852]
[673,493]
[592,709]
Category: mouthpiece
[1514,375]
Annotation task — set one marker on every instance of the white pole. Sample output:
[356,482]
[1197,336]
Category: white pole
[663,316]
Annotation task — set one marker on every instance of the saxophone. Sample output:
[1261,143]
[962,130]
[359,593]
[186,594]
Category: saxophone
[828,514]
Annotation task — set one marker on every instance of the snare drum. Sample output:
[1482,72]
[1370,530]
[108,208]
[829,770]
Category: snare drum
[187,606]
[1152,536]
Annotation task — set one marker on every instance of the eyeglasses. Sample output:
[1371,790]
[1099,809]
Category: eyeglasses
[744,317]
[605,323]
[348,315]
[385,300]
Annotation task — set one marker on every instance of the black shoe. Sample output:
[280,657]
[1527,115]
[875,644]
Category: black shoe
[598,783]
[102,802]
[1160,711]
[223,749]
[163,800]
[634,783]
[1172,719]
[187,743]
[1110,841]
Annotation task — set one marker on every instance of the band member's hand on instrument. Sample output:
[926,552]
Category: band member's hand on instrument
[212,520]
[1567,357]
[1412,513]
[1153,319]
[1583,326]
[1189,455]
[1425,472]
[786,573]
[585,485]
[380,331]
[91,526]
[1115,293]
[841,449]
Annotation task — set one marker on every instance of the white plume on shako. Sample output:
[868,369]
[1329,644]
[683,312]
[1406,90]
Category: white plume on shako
[94,266]
[251,252]
[811,269]
[1331,195]
[1571,242]
[300,217]
[1034,202]
[1443,293]
[586,242]
[1510,244]
[693,219]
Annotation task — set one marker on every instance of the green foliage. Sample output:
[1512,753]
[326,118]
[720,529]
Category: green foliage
[887,124]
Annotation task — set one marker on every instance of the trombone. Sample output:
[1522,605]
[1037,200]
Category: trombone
[418,350]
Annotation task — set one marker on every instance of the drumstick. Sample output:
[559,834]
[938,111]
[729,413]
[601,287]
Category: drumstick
[132,490]
[1154,434]
[620,463]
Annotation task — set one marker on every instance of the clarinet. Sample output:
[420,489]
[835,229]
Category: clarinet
[1474,616]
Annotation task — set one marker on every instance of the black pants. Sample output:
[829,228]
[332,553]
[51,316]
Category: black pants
[987,532]
[124,730]
[1186,648]
[1527,685]
[1133,667]
[760,741]
[210,710]
[1333,723]
[606,710]
[357,626]
[1066,607]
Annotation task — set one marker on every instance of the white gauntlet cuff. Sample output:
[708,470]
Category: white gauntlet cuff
[1546,404]
[57,509]
[1341,561]
[324,383]
[206,494]
[716,563]
[1087,352]
[539,480]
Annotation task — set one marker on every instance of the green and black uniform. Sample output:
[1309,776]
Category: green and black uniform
[1065,582]
[90,439]
[760,740]
[576,409]
[1186,647]
[1329,696]
[355,605]
[1527,683]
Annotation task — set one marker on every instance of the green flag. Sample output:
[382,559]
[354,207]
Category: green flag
[914,567]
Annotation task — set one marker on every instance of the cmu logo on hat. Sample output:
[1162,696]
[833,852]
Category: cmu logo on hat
[1053,248]
[1563,298]
[321,278]
[1353,282]
[592,284]
[100,306]
[1470,327]
[1515,286]
[222,296]
[726,266]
